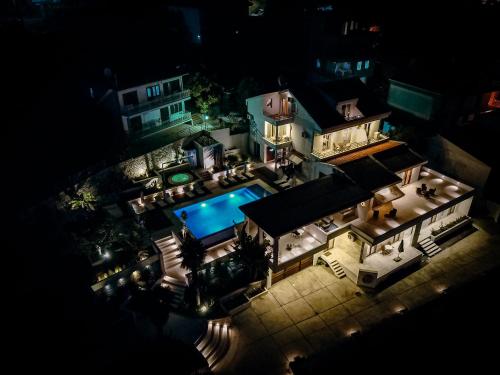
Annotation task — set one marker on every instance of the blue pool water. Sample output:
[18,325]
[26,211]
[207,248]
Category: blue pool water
[218,213]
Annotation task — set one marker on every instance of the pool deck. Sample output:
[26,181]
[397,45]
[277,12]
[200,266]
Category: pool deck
[216,190]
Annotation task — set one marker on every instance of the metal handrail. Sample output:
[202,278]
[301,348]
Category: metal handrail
[141,107]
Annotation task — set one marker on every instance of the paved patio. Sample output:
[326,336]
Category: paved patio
[313,309]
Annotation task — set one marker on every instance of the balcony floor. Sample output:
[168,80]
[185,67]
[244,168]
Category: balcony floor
[411,205]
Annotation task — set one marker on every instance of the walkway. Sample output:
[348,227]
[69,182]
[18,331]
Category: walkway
[313,308]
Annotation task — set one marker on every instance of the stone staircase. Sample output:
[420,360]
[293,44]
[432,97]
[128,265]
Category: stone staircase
[169,252]
[215,342]
[177,288]
[333,264]
[429,247]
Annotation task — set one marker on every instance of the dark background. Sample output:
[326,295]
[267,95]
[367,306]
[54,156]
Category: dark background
[52,130]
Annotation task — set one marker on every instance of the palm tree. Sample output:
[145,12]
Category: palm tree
[193,254]
[184,217]
[252,254]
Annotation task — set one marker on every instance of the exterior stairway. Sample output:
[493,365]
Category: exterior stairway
[169,252]
[170,258]
[429,247]
[177,289]
[334,265]
[215,342]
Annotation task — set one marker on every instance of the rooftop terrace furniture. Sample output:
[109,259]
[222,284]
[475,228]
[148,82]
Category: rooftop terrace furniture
[249,174]
[387,249]
[424,188]
[198,190]
[419,191]
[392,213]
[149,206]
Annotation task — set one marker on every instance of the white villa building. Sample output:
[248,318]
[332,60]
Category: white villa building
[310,125]
[370,208]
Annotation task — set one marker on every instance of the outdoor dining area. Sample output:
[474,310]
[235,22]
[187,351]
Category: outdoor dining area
[296,243]
[426,192]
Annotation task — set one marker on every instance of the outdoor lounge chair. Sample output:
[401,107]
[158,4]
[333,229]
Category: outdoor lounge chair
[223,182]
[281,180]
[249,174]
[149,206]
[189,193]
[198,190]
[240,176]
[168,198]
[232,180]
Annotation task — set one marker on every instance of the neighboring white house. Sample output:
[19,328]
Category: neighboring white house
[153,106]
[311,125]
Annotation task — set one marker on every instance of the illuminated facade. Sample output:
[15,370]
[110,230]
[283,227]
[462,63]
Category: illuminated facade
[314,123]
[149,108]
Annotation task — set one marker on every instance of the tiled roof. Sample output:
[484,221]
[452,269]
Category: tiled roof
[290,209]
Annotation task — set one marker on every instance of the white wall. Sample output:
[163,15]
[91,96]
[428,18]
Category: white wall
[224,136]
[303,123]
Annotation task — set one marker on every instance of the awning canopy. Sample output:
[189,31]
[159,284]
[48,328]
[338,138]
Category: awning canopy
[295,159]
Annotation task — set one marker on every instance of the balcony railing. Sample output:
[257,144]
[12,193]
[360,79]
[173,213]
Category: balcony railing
[145,106]
[279,118]
[152,127]
[279,141]
[349,147]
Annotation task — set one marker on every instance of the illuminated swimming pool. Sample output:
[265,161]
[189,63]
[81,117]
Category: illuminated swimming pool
[216,214]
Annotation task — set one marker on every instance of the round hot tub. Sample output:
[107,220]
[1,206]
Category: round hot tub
[180,178]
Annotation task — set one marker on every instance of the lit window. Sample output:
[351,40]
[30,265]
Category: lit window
[367,64]
[359,65]
[153,91]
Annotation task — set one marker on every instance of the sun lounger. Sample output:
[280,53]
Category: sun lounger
[241,177]
[249,174]
[286,185]
[223,182]
[231,179]
[161,203]
[198,190]
[167,198]
[281,180]
[189,193]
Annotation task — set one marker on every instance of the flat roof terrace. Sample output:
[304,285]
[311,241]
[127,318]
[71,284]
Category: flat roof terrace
[411,207]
